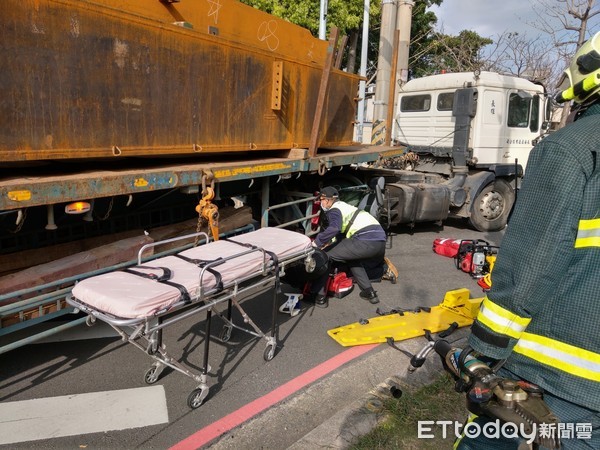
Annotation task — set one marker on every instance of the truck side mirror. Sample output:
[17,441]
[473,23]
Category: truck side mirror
[548,113]
[524,95]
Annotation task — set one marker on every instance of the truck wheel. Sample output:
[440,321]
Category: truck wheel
[343,181]
[492,206]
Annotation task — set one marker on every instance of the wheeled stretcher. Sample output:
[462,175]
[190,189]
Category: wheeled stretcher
[140,301]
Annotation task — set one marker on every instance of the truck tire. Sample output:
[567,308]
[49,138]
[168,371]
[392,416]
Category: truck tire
[492,206]
[344,180]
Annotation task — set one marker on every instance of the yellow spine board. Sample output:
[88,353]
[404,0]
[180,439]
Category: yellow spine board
[457,306]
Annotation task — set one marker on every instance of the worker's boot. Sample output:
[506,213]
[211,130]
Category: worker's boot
[370,294]
[390,271]
[321,301]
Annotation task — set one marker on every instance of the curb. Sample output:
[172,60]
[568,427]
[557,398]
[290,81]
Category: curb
[360,417]
[333,412]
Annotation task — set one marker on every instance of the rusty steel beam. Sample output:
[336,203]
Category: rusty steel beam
[112,79]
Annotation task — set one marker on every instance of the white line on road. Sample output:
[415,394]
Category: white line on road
[70,415]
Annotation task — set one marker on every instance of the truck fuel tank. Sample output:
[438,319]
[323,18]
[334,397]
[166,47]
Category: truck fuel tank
[412,203]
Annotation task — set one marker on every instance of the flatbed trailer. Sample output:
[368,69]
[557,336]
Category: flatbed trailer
[68,186]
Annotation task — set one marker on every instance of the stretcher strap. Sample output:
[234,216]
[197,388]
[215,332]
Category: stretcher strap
[253,247]
[165,270]
[273,256]
[185,296]
[202,263]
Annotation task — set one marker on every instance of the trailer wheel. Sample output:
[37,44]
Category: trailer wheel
[492,206]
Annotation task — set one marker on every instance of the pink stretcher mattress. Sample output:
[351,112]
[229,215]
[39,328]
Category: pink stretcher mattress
[129,296]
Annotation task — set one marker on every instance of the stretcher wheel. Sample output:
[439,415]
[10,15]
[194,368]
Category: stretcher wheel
[196,397]
[151,375]
[226,333]
[269,353]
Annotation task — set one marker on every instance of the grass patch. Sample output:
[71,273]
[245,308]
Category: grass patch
[436,401]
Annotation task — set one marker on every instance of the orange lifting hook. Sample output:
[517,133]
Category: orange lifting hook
[209,212]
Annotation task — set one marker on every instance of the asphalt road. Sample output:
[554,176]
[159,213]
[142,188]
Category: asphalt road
[242,383]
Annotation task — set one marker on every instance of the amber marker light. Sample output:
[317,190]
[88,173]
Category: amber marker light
[77,208]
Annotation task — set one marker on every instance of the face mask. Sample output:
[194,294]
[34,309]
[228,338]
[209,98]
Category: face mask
[324,208]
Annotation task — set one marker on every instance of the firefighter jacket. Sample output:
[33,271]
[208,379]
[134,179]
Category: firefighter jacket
[543,310]
[364,227]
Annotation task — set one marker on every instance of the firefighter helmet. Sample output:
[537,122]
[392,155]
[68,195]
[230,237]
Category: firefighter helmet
[581,79]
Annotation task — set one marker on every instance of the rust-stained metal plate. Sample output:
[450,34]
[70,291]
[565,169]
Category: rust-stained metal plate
[119,78]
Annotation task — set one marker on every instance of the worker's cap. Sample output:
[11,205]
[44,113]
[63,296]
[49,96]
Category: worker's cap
[329,192]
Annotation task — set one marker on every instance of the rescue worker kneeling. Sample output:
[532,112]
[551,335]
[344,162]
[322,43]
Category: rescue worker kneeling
[352,237]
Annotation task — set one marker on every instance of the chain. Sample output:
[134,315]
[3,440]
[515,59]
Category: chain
[21,223]
[110,206]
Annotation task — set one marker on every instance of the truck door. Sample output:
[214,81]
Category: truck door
[488,135]
[522,126]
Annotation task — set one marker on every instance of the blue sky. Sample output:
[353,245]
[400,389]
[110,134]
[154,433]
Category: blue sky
[491,18]
[487,17]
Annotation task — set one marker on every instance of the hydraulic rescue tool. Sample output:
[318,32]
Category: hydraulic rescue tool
[511,401]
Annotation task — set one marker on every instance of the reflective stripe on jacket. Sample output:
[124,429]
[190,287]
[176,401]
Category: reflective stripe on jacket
[362,220]
[552,352]
[542,313]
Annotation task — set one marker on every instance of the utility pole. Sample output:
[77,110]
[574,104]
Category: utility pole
[382,83]
[396,15]
[363,72]
[323,20]
[403,22]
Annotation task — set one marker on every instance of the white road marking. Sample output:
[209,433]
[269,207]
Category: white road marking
[71,415]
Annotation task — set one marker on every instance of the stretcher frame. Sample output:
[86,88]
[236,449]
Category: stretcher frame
[146,333]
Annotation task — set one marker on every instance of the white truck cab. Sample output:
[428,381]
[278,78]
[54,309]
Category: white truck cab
[468,136]
[509,115]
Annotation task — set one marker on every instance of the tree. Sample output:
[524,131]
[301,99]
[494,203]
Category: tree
[518,54]
[575,17]
[449,53]
[423,38]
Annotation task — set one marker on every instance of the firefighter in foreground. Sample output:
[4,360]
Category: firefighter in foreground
[362,243]
[542,314]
